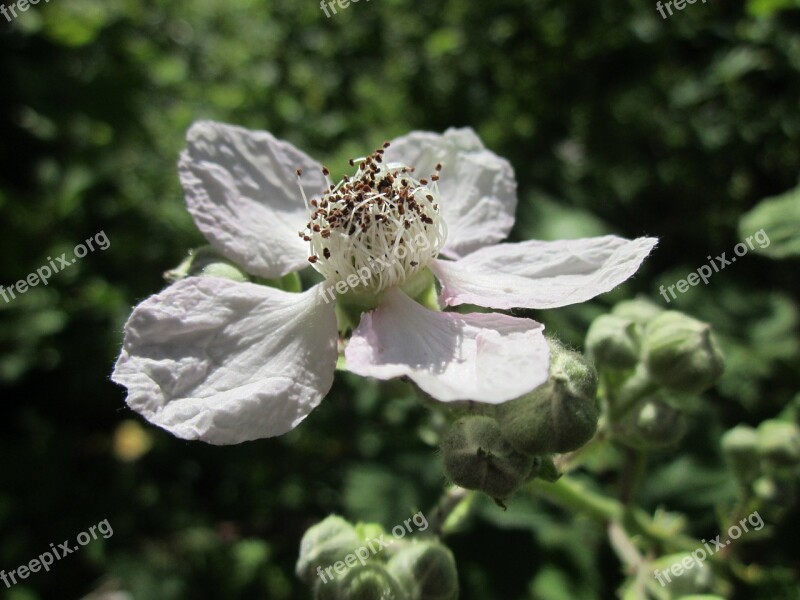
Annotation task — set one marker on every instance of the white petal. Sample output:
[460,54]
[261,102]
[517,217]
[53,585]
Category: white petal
[226,362]
[537,274]
[479,191]
[489,358]
[241,188]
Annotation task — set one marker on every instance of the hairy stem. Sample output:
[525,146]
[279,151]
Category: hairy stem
[576,496]
[451,500]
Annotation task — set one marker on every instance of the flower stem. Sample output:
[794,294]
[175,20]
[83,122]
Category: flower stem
[452,500]
[635,463]
[576,496]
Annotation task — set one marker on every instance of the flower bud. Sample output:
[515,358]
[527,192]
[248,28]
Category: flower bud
[681,353]
[559,416]
[324,544]
[222,270]
[427,568]
[740,446]
[329,590]
[775,492]
[371,582]
[612,342]
[638,310]
[779,442]
[698,579]
[369,531]
[477,457]
[205,262]
[652,424]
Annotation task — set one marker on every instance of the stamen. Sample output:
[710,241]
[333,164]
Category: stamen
[299,173]
[380,224]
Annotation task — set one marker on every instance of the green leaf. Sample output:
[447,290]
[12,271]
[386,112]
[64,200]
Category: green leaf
[766,8]
[775,225]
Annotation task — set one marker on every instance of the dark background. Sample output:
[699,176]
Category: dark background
[616,121]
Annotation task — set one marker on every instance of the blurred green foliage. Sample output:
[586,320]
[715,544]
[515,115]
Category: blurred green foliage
[781,217]
[615,121]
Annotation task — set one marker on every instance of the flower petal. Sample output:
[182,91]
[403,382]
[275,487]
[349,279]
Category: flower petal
[226,362]
[537,274]
[478,188]
[241,188]
[489,358]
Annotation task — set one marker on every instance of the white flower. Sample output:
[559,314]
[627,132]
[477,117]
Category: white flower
[225,361]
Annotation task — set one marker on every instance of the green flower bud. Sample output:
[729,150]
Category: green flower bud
[330,590]
[427,568]
[324,544]
[476,457]
[779,443]
[740,446]
[695,579]
[223,271]
[369,531]
[638,310]
[681,353]
[780,494]
[205,262]
[652,424]
[372,582]
[559,416]
[612,342]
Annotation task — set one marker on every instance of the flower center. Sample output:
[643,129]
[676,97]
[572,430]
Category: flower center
[381,225]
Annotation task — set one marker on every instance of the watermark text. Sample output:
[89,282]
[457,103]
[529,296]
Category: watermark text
[46,559]
[372,546]
[45,272]
[699,555]
[720,262]
[21,5]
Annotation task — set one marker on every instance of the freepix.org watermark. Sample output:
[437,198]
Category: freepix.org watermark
[718,263]
[20,5]
[678,4]
[46,559]
[699,555]
[377,265]
[372,546]
[331,4]
[45,272]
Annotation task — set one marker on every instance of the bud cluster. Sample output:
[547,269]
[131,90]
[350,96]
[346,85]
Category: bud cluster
[498,451]
[650,360]
[765,460]
[418,570]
